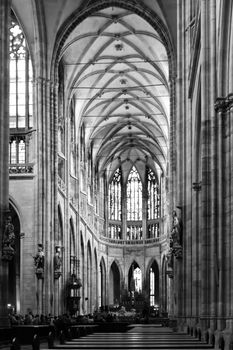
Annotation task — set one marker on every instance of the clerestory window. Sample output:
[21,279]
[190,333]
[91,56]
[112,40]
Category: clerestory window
[20,101]
[114,196]
[134,196]
[153,189]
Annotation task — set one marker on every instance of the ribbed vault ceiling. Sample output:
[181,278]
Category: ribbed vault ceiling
[116,69]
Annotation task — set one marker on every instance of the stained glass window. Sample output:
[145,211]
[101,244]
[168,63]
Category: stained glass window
[137,274]
[114,196]
[20,99]
[153,196]
[134,196]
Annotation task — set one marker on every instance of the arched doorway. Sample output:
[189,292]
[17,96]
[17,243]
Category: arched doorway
[14,266]
[102,285]
[164,295]
[135,278]
[114,285]
[90,281]
[153,276]
[95,281]
[135,294]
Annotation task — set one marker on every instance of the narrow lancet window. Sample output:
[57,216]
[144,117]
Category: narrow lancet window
[114,196]
[134,196]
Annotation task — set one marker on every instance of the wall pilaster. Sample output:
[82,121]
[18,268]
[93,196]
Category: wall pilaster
[5,6]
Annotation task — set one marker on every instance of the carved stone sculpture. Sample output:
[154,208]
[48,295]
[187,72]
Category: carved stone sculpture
[57,263]
[39,262]
[8,250]
[176,236]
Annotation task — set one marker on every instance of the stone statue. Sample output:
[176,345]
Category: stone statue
[39,259]
[57,261]
[8,240]
[176,233]
[176,236]
[9,235]
[170,259]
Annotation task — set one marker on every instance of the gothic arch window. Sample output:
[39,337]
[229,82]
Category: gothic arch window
[61,116]
[73,146]
[114,196]
[134,195]
[20,108]
[20,95]
[153,189]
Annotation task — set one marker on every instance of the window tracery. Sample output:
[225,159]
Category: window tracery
[20,101]
[153,195]
[114,197]
[134,196]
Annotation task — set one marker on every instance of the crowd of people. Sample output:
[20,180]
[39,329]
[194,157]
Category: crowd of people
[65,320]
[31,319]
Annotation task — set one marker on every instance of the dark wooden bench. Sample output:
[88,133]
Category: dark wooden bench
[25,333]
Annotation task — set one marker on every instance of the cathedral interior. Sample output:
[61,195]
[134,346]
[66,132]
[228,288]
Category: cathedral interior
[116,154]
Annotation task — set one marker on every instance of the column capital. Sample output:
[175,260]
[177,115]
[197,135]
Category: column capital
[224,103]
[230,101]
[220,104]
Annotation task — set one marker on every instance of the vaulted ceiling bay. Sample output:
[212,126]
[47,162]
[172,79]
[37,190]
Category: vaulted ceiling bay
[116,70]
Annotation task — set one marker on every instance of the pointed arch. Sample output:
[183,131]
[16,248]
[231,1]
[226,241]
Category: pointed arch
[152,282]
[88,297]
[82,271]
[134,278]
[95,280]
[102,284]
[14,270]
[134,195]
[164,289]
[114,284]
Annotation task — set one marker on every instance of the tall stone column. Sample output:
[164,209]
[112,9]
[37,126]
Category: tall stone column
[214,161]
[45,191]
[229,216]
[4,144]
[206,167]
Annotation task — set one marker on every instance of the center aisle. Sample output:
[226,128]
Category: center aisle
[136,337]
